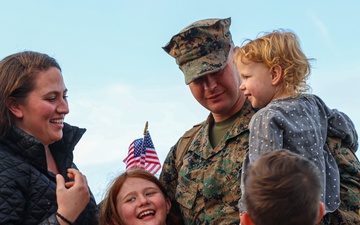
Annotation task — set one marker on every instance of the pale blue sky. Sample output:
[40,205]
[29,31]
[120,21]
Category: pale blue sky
[119,77]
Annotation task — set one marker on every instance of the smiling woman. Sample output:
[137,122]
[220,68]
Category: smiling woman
[39,182]
[43,113]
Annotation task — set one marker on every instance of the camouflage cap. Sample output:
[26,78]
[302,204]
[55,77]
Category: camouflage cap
[201,48]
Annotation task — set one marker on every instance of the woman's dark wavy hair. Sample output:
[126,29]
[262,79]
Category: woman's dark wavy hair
[18,73]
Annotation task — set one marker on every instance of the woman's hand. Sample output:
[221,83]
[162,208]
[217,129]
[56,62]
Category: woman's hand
[72,197]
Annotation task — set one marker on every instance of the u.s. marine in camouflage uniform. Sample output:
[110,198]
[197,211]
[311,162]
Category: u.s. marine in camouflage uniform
[201,170]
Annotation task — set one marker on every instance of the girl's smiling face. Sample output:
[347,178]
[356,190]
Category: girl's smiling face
[140,201]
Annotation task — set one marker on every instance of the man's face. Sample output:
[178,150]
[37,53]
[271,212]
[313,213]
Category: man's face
[219,92]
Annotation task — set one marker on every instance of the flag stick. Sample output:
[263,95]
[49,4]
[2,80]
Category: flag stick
[143,154]
[146,127]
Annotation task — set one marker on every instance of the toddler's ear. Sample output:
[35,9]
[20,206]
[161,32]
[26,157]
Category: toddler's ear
[276,74]
[321,212]
[245,219]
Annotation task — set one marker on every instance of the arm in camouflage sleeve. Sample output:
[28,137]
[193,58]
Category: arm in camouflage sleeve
[349,168]
[169,178]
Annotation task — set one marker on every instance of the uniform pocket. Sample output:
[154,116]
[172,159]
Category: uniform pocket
[186,192]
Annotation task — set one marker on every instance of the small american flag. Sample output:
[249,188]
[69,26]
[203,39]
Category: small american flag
[142,154]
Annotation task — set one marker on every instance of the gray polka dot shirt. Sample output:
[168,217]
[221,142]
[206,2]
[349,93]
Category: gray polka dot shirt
[301,125]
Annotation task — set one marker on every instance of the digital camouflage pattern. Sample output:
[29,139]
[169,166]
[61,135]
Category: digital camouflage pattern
[201,48]
[206,189]
[204,192]
[349,167]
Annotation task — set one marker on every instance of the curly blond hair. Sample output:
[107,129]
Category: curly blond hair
[279,47]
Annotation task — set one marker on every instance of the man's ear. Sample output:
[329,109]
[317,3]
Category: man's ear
[245,219]
[321,212]
[276,74]
[14,107]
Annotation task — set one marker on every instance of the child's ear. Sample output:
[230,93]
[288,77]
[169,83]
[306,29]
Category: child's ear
[14,107]
[168,205]
[245,219]
[276,74]
[321,212]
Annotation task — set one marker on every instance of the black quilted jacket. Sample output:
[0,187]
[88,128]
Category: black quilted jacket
[27,189]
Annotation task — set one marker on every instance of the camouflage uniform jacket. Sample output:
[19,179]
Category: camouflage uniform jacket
[349,167]
[206,187]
